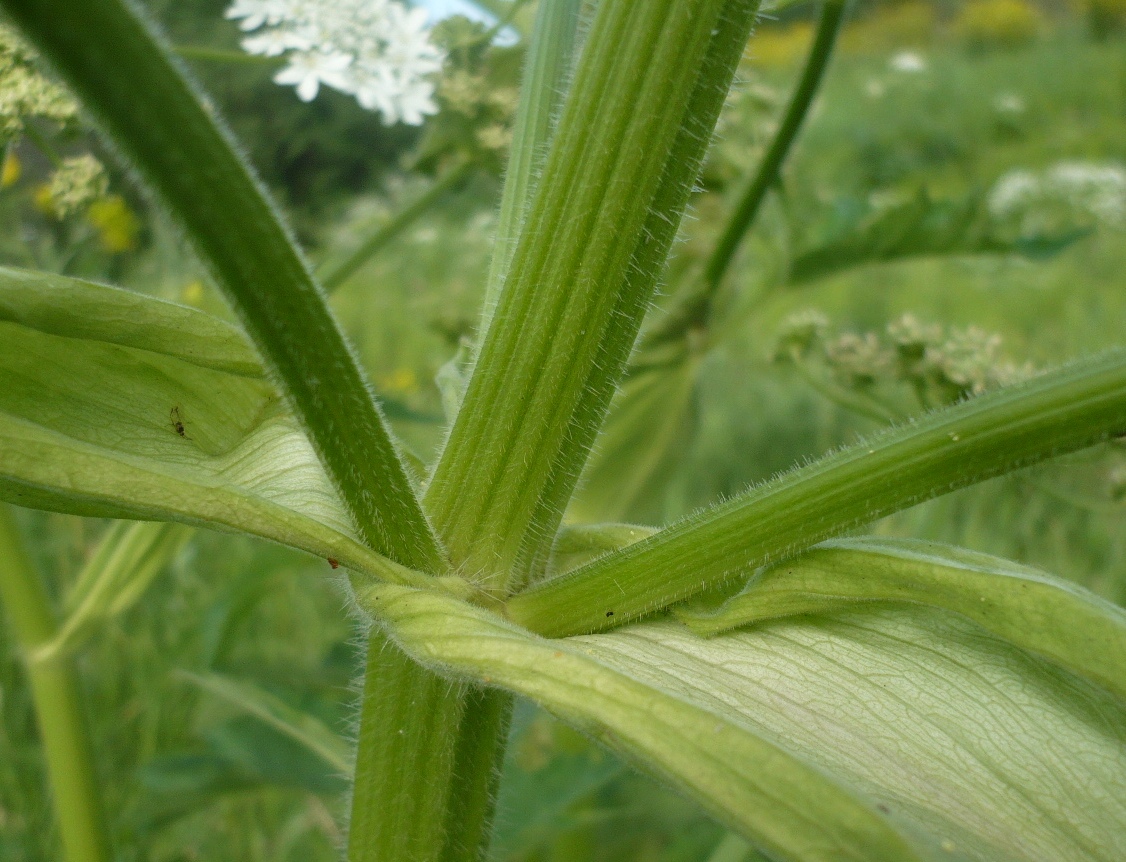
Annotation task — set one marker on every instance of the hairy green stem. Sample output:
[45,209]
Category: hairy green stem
[405,756]
[129,81]
[476,774]
[656,238]
[58,704]
[1053,414]
[427,762]
[638,70]
[336,276]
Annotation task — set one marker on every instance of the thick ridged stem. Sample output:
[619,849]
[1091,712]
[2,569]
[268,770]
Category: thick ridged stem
[625,107]
[542,88]
[405,756]
[657,237]
[476,775]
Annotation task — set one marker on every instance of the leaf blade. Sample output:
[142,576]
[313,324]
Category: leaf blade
[904,735]
[118,405]
[1034,610]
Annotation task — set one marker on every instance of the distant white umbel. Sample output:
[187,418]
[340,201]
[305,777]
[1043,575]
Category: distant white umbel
[908,62]
[1092,189]
[376,50]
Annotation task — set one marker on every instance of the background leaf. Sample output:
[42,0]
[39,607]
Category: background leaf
[305,729]
[921,227]
[124,565]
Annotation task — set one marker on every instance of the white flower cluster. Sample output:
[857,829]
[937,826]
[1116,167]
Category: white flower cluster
[376,50]
[1089,189]
[908,62]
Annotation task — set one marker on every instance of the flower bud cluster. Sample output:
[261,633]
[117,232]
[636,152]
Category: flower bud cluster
[24,92]
[378,51]
[491,110]
[75,184]
[938,364]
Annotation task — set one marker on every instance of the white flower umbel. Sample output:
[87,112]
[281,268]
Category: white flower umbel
[1034,199]
[375,50]
[908,62]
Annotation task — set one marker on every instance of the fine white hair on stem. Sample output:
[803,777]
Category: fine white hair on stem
[375,50]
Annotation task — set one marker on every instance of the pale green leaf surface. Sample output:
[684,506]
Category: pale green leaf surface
[995,754]
[92,312]
[98,384]
[872,734]
[308,730]
[1031,609]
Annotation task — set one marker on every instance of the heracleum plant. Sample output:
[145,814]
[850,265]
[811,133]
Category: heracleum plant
[867,700]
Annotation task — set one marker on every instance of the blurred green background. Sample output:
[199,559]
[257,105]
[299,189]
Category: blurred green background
[936,118]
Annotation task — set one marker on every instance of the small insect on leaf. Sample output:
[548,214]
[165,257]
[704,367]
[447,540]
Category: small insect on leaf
[334,563]
[177,422]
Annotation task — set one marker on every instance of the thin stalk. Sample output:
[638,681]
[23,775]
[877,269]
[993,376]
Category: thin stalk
[58,704]
[743,219]
[865,405]
[503,21]
[336,276]
[626,105]
[694,307]
[542,88]
[1059,412]
[502,10]
[43,144]
[130,82]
